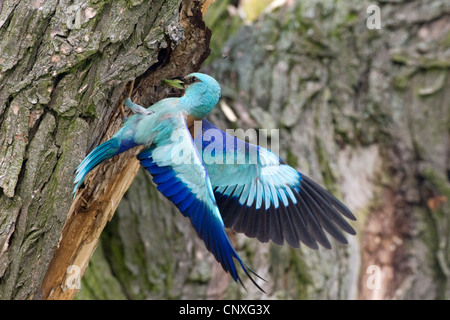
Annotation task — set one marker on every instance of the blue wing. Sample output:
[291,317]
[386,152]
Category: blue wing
[265,198]
[175,165]
[122,141]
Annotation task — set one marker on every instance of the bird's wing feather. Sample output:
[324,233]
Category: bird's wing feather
[176,167]
[265,198]
[122,141]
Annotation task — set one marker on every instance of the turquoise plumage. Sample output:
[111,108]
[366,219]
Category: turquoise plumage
[264,198]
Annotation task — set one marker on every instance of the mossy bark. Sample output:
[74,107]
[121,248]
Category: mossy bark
[362,111]
[65,69]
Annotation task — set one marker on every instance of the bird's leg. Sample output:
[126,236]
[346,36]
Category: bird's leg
[137,108]
[133,106]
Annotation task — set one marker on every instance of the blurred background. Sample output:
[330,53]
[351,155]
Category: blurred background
[363,111]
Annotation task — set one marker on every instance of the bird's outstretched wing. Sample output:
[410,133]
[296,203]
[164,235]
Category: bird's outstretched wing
[267,198]
[179,174]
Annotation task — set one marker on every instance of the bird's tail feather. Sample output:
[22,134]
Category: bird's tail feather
[102,153]
[247,271]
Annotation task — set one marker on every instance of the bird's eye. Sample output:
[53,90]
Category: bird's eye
[191,80]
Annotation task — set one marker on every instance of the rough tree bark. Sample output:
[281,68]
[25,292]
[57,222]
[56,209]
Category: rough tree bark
[363,111]
[65,69]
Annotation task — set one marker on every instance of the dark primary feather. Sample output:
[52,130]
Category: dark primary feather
[305,221]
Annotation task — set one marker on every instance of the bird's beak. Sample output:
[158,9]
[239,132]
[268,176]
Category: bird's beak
[177,83]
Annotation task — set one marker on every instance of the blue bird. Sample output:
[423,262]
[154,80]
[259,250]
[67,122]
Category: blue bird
[264,198]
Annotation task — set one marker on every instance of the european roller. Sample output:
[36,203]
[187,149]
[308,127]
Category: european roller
[264,198]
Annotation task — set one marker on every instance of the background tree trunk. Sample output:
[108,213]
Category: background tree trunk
[66,67]
[364,112]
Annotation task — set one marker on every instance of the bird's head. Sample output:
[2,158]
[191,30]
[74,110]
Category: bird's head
[202,92]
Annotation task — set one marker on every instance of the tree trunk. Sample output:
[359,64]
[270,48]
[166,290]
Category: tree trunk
[362,111]
[66,67]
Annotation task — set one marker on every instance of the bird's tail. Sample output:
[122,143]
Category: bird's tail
[102,153]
